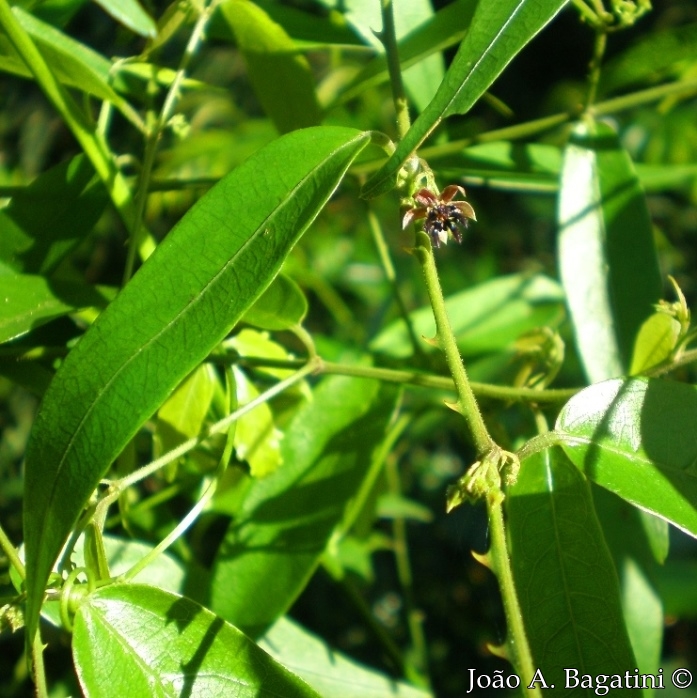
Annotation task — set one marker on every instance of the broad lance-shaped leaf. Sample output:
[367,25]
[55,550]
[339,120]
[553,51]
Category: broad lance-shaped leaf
[607,258]
[499,30]
[636,438]
[181,303]
[136,640]
[277,536]
[566,580]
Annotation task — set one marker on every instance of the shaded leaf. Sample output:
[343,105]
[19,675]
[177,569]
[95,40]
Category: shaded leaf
[219,258]
[636,565]
[607,258]
[30,301]
[651,59]
[282,81]
[636,439]
[566,581]
[46,220]
[488,317]
[499,30]
[275,541]
[132,624]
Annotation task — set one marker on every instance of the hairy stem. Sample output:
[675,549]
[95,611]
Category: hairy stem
[518,648]
[466,402]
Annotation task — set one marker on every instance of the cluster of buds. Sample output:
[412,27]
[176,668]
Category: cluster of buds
[442,216]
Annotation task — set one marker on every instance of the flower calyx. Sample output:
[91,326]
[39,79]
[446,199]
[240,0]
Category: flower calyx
[442,216]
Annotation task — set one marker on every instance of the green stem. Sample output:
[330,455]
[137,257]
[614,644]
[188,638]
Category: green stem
[404,574]
[466,402]
[596,62]
[537,126]
[155,133]
[90,141]
[39,669]
[391,276]
[216,428]
[518,647]
[11,552]
[387,375]
[389,40]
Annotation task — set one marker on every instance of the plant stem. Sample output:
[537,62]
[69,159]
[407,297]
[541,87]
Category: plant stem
[11,552]
[389,40]
[517,644]
[466,402]
[531,128]
[387,375]
[155,132]
[90,141]
[388,267]
[39,669]
[596,62]
[401,554]
[216,428]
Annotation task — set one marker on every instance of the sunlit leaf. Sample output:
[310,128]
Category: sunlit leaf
[499,30]
[329,672]
[212,266]
[636,439]
[607,257]
[132,624]
[131,14]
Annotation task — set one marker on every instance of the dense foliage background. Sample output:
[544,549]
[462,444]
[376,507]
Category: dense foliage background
[397,588]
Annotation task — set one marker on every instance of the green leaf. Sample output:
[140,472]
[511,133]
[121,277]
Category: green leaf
[654,58]
[636,439]
[281,306]
[310,30]
[160,644]
[607,258]
[565,578]
[636,568]
[257,441]
[31,301]
[131,14]
[182,302]
[182,415]
[329,672]
[445,29]
[499,30]
[277,538]
[488,317]
[46,220]
[658,336]
[73,63]
[282,81]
